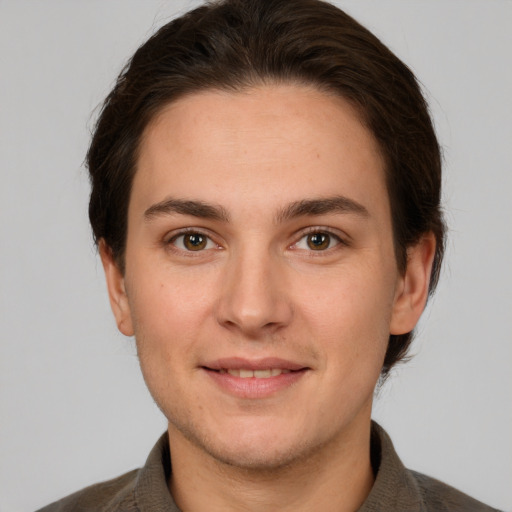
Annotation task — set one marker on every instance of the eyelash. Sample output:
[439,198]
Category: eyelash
[171,242]
[321,231]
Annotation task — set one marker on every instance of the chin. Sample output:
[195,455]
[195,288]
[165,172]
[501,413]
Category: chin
[252,449]
[263,458]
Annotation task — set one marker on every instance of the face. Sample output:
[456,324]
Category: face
[261,282]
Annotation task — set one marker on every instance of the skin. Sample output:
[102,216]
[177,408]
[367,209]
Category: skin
[259,287]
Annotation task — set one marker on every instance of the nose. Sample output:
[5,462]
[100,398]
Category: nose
[254,299]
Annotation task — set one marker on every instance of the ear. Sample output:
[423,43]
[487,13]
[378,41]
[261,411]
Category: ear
[116,290]
[412,290]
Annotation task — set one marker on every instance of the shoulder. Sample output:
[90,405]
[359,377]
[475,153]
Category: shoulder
[112,495]
[141,489]
[440,497]
[402,490]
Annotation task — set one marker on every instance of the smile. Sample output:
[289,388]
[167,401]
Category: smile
[254,379]
[257,374]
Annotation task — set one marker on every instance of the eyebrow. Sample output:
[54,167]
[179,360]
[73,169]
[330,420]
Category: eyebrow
[322,206]
[187,207]
[305,207]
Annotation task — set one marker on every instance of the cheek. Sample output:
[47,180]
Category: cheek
[170,301]
[350,313]
[165,324]
[350,330]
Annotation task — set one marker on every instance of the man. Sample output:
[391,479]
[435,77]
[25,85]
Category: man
[266,201]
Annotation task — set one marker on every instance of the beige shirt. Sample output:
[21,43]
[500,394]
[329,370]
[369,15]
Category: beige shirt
[395,489]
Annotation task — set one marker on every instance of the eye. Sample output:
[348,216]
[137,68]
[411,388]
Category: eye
[317,241]
[192,241]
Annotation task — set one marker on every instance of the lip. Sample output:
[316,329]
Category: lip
[234,363]
[254,388]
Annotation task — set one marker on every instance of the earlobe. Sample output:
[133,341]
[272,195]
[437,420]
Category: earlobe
[412,291]
[116,290]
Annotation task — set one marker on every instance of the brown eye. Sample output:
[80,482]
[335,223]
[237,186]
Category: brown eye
[194,241]
[318,241]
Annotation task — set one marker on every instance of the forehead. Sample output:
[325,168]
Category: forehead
[267,144]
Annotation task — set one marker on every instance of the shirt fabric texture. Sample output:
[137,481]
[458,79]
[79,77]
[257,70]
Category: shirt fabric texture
[395,488]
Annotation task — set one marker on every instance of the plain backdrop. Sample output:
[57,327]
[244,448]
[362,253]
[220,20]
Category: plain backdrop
[73,407]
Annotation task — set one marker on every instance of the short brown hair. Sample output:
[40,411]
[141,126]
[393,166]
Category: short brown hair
[235,44]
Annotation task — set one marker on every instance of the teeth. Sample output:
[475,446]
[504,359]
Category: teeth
[262,374]
[258,374]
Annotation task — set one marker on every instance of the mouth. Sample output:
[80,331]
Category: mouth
[254,378]
[244,373]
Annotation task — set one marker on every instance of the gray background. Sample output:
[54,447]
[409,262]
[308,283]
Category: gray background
[74,408]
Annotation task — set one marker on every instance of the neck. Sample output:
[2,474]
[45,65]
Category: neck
[336,477]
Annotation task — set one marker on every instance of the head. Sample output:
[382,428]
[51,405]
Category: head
[265,192]
[265,70]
